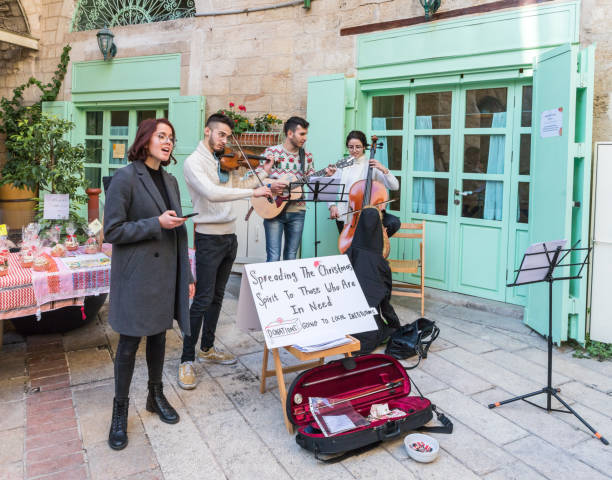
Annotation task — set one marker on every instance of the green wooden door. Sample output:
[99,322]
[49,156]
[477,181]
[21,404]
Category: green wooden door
[452,148]
[187,115]
[563,82]
[107,134]
[480,191]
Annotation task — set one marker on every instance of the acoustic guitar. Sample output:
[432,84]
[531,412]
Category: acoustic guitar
[267,209]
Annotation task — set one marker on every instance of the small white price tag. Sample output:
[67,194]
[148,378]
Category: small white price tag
[95,226]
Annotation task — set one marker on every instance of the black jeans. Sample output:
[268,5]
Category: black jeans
[215,255]
[126,356]
[390,222]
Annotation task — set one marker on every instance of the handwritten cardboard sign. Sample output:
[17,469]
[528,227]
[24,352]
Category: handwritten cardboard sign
[56,206]
[304,302]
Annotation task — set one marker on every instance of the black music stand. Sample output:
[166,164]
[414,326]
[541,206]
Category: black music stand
[538,265]
[312,191]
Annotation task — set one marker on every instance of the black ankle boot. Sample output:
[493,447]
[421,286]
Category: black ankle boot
[117,437]
[157,403]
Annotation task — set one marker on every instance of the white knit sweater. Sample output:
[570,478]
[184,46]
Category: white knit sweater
[359,171]
[211,198]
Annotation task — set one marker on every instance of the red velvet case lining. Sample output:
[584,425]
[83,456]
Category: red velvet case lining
[351,385]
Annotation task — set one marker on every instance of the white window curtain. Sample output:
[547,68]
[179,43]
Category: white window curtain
[423,189]
[382,154]
[494,191]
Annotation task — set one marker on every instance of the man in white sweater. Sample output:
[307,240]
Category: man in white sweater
[212,191]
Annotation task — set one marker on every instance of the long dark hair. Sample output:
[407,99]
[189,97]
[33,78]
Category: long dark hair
[138,151]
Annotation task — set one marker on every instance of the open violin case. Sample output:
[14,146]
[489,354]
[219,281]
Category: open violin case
[346,389]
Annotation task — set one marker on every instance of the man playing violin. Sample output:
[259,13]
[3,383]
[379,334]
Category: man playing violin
[290,157]
[212,191]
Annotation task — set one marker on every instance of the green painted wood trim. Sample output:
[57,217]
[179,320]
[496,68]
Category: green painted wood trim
[539,26]
[150,77]
[586,81]
[438,48]
[552,180]
[126,97]
[326,107]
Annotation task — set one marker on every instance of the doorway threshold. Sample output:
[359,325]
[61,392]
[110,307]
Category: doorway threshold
[468,301]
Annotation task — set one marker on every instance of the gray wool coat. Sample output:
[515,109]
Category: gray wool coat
[150,271]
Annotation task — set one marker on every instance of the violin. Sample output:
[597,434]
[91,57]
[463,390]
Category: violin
[366,193]
[231,160]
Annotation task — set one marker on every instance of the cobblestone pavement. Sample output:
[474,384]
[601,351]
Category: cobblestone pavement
[56,399]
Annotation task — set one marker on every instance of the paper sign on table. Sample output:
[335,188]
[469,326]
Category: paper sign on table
[78,262]
[304,302]
[57,206]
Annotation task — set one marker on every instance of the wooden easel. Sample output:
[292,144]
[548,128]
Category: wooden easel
[313,358]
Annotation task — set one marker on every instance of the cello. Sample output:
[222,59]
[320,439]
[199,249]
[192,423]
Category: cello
[366,193]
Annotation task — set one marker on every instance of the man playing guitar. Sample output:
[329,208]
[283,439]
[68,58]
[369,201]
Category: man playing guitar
[289,158]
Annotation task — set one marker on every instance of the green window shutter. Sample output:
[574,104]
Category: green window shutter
[326,114]
[560,177]
[187,115]
[59,109]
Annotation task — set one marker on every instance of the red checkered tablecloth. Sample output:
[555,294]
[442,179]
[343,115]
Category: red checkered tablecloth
[62,287]
[16,287]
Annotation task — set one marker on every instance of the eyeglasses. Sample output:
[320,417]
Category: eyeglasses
[164,139]
[355,147]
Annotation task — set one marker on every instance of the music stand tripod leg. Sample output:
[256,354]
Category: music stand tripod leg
[585,423]
[520,397]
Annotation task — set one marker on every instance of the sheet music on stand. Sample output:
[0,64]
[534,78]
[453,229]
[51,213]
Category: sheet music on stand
[319,190]
[535,264]
[328,190]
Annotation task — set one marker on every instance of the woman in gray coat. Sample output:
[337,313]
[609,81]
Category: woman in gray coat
[151,280]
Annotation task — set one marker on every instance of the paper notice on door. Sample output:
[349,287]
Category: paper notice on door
[118,150]
[551,123]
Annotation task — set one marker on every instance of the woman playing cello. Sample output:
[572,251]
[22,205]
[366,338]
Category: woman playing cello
[356,143]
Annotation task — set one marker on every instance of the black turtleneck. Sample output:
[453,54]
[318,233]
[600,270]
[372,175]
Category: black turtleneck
[156,175]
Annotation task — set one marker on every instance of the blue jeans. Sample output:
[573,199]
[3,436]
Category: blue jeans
[292,224]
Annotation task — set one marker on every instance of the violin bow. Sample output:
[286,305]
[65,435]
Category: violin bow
[248,214]
[373,205]
[246,159]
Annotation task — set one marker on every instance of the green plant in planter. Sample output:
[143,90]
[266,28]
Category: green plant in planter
[241,122]
[267,123]
[47,159]
[13,110]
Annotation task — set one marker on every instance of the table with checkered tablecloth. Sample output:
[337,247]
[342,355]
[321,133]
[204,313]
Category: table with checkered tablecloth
[24,292]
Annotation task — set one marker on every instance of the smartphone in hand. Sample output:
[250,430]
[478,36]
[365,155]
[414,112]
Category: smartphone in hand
[189,215]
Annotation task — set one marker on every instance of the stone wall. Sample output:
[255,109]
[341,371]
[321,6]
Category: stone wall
[595,26]
[261,59]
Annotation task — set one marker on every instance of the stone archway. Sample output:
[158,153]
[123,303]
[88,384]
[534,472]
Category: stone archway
[15,40]
[13,17]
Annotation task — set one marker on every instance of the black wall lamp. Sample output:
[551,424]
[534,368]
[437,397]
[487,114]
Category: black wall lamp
[430,6]
[105,42]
